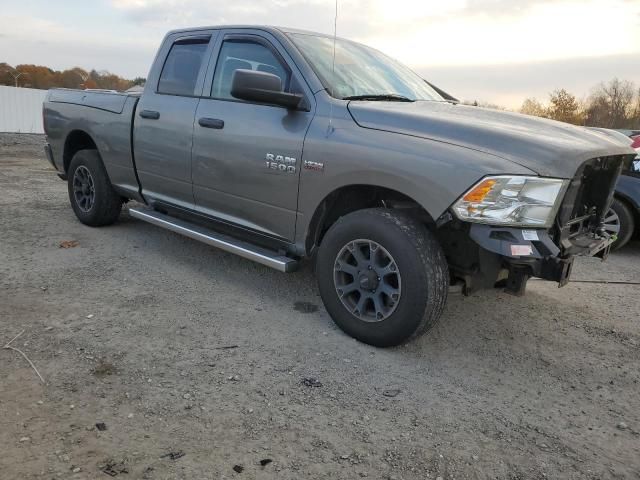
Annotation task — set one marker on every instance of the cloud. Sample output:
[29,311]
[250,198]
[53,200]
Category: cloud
[41,41]
[429,32]
[546,31]
[487,49]
[179,13]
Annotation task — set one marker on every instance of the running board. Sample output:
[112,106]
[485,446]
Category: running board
[218,240]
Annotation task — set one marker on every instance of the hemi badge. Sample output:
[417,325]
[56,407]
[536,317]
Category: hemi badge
[315,166]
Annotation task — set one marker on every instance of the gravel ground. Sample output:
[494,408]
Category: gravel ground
[195,361]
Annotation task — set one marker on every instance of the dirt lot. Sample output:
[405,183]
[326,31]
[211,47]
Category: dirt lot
[195,362]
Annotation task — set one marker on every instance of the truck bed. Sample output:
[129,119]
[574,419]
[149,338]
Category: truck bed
[105,116]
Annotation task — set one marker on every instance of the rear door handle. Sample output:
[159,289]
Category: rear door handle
[211,123]
[150,114]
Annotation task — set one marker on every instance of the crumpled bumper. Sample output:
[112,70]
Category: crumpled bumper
[533,253]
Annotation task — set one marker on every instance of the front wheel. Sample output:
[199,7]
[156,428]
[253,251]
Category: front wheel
[92,197]
[382,276]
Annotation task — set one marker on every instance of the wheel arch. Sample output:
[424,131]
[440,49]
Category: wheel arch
[350,198]
[75,141]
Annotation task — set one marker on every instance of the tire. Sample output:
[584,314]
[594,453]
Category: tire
[420,279]
[619,220]
[92,197]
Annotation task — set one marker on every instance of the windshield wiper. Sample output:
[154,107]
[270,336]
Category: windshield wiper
[384,97]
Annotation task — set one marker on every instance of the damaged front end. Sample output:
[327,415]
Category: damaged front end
[484,255]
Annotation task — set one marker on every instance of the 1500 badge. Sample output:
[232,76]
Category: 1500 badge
[281,163]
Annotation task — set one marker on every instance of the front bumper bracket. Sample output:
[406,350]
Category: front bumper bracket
[533,253]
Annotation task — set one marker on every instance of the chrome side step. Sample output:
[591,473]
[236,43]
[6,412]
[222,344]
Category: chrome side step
[218,240]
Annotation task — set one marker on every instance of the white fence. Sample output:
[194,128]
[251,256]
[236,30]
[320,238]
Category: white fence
[21,110]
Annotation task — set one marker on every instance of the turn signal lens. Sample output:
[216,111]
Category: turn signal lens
[477,193]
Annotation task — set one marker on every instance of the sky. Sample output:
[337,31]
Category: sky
[495,51]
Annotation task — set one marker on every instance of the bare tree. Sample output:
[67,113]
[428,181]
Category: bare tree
[611,104]
[635,113]
[83,74]
[620,96]
[531,106]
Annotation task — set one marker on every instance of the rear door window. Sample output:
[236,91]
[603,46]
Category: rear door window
[182,67]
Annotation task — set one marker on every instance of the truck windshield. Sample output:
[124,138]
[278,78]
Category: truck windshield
[361,72]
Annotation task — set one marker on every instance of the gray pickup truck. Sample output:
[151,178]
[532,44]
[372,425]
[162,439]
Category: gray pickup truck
[280,145]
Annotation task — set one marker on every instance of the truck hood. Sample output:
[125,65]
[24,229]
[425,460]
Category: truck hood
[546,147]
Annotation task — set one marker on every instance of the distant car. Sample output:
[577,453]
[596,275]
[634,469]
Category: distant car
[629,133]
[623,218]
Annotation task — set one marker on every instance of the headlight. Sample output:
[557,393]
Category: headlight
[512,200]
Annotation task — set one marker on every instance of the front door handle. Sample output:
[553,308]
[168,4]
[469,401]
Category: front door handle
[211,123]
[150,114]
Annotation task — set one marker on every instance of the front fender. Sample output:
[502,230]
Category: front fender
[432,173]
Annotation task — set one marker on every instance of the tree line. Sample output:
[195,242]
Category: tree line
[612,104]
[38,76]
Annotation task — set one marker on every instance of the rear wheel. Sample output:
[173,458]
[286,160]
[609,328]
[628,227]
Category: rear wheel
[92,197]
[382,276]
[619,221]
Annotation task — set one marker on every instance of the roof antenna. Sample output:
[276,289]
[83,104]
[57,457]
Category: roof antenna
[333,71]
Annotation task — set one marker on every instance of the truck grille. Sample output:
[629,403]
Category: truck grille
[585,203]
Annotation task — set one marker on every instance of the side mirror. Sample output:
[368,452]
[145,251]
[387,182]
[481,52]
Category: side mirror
[262,87]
